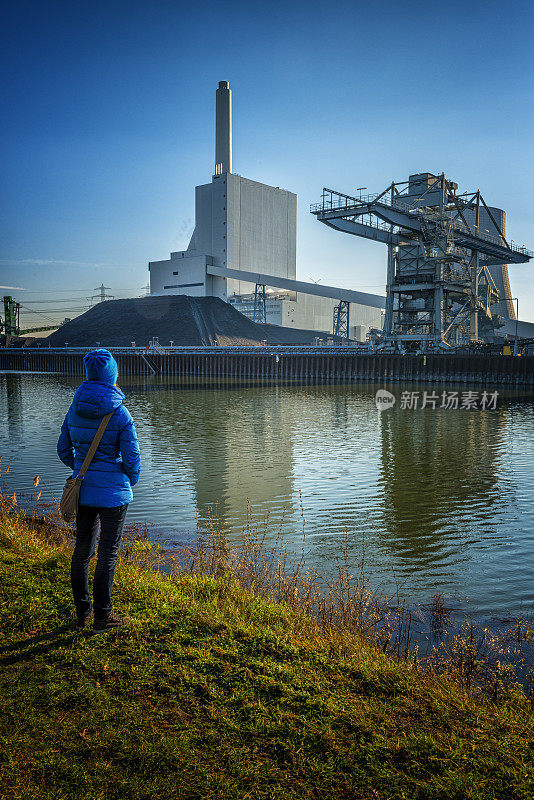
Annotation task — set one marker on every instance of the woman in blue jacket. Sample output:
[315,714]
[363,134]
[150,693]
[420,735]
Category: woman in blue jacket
[106,489]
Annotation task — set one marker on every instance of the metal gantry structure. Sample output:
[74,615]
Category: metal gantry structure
[10,326]
[260,304]
[341,319]
[441,248]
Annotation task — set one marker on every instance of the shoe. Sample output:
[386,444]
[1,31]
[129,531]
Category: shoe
[110,624]
[81,622]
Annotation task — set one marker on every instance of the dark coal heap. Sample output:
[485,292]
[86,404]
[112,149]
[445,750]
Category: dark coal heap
[187,321]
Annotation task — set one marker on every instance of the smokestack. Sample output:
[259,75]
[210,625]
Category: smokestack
[223,128]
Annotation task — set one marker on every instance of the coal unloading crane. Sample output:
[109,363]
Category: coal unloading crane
[441,250]
[10,326]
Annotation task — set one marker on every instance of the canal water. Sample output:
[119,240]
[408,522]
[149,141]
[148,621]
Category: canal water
[441,499]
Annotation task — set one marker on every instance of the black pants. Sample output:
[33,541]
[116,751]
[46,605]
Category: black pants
[111,524]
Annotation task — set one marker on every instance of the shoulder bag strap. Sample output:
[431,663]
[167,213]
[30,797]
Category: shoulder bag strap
[94,444]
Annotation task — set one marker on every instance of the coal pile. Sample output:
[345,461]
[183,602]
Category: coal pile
[20,341]
[186,321]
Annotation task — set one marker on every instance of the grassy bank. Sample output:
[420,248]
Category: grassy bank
[215,692]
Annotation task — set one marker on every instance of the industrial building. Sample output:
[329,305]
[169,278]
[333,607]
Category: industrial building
[244,243]
[312,312]
[447,260]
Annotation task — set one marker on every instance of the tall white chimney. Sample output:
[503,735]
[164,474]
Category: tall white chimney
[223,129]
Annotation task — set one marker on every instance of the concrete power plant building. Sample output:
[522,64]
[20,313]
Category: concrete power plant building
[245,237]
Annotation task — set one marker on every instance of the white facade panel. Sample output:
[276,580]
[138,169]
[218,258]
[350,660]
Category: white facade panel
[181,274]
[310,312]
[262,230]
[317,314]
[240,224]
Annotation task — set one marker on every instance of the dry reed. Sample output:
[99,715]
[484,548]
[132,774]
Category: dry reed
[339,604]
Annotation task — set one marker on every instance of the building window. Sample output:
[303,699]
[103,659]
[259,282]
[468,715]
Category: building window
[182,285]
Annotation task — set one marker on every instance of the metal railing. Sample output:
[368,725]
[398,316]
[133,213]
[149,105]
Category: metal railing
[337,201]
[197,349]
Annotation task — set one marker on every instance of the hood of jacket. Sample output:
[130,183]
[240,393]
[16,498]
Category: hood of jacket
[94,399]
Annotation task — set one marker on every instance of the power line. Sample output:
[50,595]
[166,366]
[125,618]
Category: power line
[34,311]
[56,300]
[57,310]
[83,291]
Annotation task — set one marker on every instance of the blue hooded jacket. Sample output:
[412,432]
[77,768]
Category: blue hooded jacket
[116,464]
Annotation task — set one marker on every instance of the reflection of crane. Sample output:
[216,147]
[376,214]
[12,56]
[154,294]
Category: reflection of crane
[11,324]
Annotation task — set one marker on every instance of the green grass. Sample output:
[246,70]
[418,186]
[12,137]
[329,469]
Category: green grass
[218,693]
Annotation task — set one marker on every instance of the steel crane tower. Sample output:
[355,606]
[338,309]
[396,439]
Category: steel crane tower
[442,247]
[11,324]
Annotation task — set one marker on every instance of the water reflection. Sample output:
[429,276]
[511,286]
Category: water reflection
[14,406]
[439,475]
[234,448]
[443,498]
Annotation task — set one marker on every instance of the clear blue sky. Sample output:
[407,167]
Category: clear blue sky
[108,117]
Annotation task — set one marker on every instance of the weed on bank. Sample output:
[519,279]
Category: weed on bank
[217,691]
